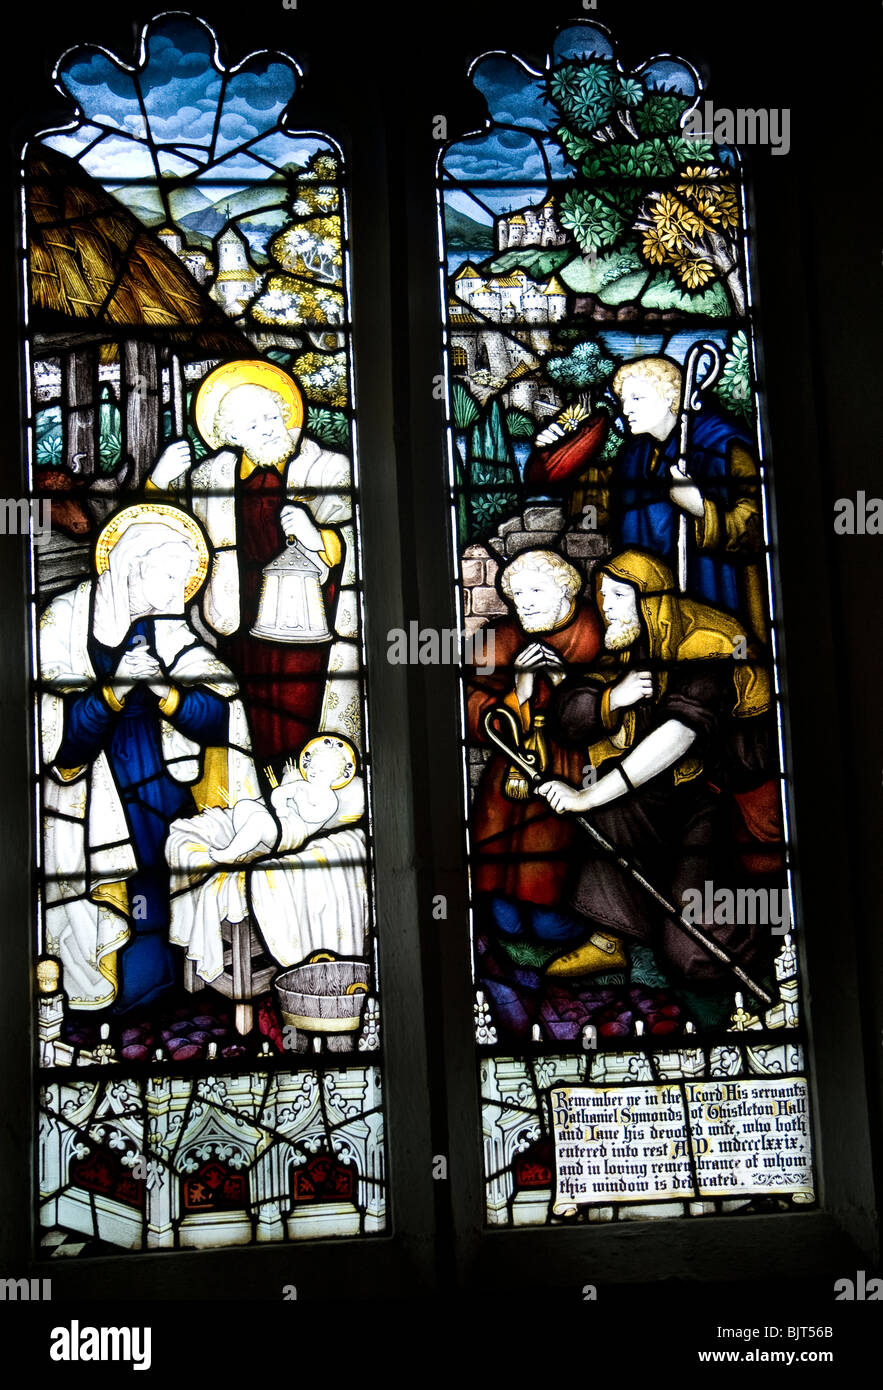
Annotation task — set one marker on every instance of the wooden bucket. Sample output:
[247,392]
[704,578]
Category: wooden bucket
[324,996]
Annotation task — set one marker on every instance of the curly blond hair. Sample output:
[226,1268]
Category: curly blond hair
[566,577]
[660,371]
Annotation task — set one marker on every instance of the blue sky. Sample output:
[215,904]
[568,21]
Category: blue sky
[515,150]
[203,121]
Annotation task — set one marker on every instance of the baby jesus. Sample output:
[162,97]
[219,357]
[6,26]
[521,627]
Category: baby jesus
[226,864]
[304,802]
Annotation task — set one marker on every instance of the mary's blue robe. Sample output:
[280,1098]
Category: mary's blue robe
[152,797]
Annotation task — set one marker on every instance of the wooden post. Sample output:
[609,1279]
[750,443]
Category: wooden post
[80,422]
[140,405]
[178,395]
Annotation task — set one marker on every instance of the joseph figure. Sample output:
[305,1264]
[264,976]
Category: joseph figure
[266,492]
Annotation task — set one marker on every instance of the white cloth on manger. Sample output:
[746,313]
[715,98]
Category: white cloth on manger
[312,897]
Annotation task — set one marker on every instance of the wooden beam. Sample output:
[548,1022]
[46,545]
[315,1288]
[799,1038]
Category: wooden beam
[140,406]
[80,376]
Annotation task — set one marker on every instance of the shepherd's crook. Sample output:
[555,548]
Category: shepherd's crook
[700,371]
[708,943]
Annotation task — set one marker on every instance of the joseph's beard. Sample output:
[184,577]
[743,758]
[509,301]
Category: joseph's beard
[275,451]
[542,622]
[621,633]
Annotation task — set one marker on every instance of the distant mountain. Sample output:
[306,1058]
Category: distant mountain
[143,203]
[251,197]
[463,233]
[187,199]
[203,225]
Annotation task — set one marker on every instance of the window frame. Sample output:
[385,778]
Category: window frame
[399,1261]
[841,1232]
[811,357]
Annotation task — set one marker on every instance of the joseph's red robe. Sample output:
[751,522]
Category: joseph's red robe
[281,683]
[521,848]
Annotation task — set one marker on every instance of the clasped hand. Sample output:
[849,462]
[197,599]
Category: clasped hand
[139,664]
[526,663]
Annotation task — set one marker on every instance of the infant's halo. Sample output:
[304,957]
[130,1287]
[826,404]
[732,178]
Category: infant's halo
[329,741]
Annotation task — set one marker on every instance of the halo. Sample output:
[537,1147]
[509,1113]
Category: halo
[338,742]
[146,512]
[254,372]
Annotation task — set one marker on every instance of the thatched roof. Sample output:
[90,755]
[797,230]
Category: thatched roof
[91,260]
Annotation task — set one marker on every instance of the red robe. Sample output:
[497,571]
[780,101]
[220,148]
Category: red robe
[281,683]
[527,829]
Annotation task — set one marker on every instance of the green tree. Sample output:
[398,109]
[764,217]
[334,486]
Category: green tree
[620,134]
[584,366]
[492,475]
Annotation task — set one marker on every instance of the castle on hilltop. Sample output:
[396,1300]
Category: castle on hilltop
[513,298]
[529,227]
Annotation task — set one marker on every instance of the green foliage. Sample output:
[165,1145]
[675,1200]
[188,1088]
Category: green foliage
[585,276]
[200,448]
[685,233]
[584,366]
[520,425]
[539,262]
[733,387]
[630,91]
[50,444]
[690,151]
[489,440]
[110,436]
[624,288]
[574,145]
[465,408]
[663,293]
[612,444]
[612,268]
[585,93]
[641,160]
[594,221]
[660,113]
[329,426]
[491,465]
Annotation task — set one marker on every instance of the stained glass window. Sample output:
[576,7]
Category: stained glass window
[638,1018]
[208,1014]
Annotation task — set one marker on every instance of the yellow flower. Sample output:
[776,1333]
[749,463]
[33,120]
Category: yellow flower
[655,248]
[728,206]
[706,207]
[675,221]
[693,272]
[696,178]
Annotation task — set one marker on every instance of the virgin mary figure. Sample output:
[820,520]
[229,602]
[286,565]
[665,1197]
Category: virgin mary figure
[140,724]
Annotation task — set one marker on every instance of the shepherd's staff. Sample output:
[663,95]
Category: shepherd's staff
[526,761]
[700,371]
